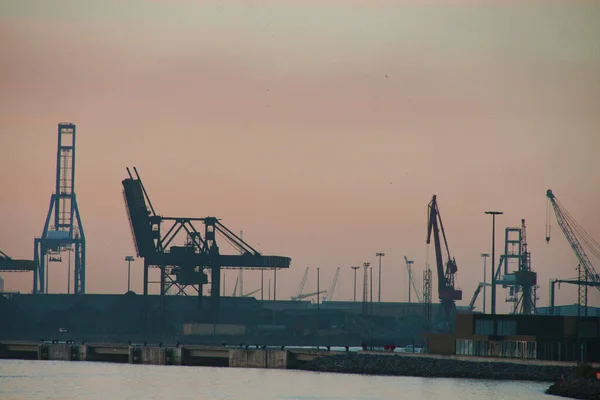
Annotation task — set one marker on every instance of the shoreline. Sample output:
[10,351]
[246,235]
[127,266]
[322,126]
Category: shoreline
[383,365]
[576,388]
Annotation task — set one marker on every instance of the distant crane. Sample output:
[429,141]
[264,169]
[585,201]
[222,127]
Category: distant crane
[250,294]
[235,287]
[573,281]
[307,295]
[8,264]
[299,295]
[522,281]
[411,281]
[448,294]
[476,294]
[329,294]
[575,234]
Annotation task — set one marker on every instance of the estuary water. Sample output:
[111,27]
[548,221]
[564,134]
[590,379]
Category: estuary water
[24,380]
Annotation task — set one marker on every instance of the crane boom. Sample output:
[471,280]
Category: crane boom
[329,294]
[302,283]
[446,290]
[235,288]
[476,294]
[411,280]
[306,295]
[566,222]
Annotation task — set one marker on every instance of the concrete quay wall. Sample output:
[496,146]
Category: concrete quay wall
[242,358]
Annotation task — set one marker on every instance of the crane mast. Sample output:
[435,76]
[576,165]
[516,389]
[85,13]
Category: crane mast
[570,229]
[448,294]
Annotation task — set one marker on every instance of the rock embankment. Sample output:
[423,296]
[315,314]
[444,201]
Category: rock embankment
[369,364]
[576,388]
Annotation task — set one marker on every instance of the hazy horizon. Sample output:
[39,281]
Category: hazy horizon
[321,131]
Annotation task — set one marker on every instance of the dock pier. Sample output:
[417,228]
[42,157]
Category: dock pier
[159,355]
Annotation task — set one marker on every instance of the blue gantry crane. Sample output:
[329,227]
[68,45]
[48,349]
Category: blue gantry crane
[521,281]
[63,230]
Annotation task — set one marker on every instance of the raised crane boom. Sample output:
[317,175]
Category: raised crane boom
[329,294]
[301,289]
[448,294]
[411,281]
[572,230]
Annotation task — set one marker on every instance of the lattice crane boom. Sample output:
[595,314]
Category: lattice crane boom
[569,228]
[302,283]
[329,294]
[411,280]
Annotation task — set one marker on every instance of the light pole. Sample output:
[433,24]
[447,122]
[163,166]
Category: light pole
[371,311]
[129,259]
[485,256]
[379,286]
[318,294]
[493,214]
[262,282]
[371,289]
[274,285]
[355,267]
[365,288]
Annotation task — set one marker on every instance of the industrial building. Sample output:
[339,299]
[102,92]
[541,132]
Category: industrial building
[536,337]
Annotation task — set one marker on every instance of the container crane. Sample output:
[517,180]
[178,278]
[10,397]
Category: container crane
[447,293]
[329,294]
[575,234]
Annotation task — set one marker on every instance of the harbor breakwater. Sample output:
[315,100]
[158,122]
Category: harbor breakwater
[370,364]
[576,388]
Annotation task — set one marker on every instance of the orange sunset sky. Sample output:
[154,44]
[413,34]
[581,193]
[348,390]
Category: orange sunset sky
[320,129]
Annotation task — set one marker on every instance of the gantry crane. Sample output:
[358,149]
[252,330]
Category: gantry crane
[448,294]
[187,265]
[411,281]
[329,294]
[521,282]
[63,230]
[575,235]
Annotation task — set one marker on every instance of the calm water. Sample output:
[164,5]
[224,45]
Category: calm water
[85,380]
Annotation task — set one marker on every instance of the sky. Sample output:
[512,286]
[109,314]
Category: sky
[320,129]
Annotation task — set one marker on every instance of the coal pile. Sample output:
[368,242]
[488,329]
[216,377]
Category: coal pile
[576,388]
[368,364]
